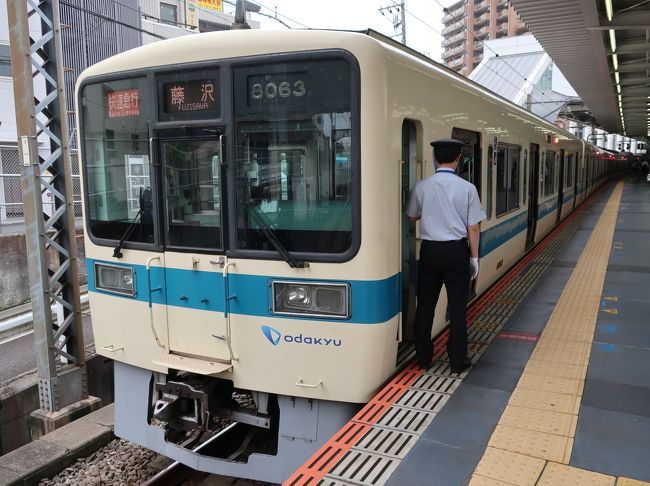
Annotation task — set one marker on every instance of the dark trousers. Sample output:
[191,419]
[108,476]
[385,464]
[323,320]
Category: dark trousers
[442,262]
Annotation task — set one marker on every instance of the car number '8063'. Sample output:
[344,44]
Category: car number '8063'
[284,90]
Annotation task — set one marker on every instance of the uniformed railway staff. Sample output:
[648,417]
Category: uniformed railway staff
[450,212]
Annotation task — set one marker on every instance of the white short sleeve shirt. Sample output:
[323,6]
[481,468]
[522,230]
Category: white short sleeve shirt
[446,205]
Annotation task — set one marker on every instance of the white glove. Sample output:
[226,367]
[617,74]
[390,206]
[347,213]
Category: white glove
[473,267]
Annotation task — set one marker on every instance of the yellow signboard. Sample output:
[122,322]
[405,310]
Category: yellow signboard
[216,5]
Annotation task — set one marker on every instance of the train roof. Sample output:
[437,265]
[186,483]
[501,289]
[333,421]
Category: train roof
[244,43]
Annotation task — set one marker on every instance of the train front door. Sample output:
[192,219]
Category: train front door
[408,276]
[533,192]
[196,268]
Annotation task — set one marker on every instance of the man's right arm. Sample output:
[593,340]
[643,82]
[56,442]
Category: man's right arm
[474,235]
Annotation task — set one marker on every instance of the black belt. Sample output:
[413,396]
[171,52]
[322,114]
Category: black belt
[462,240]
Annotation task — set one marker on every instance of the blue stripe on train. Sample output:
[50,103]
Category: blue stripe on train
[205,291]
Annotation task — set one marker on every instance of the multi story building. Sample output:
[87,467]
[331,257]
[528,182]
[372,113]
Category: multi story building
[468,23]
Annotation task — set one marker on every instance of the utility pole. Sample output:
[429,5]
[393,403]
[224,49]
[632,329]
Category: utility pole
[398,18]
[42,127]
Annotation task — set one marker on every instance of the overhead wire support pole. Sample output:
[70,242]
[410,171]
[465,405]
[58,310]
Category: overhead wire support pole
[42,128]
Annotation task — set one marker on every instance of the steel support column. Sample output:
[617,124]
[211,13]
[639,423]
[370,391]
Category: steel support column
[42,126]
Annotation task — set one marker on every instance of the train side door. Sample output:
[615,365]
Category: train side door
[560,186]
[533,193]
[195,264]
[408,277]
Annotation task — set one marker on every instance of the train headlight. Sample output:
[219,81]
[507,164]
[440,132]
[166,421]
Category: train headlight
[117,279]
[313,299]
[298,295]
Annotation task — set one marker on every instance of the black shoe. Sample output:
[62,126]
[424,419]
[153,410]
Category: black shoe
[467,363]
[424,366]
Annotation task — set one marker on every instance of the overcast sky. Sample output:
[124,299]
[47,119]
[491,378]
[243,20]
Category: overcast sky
[423,18]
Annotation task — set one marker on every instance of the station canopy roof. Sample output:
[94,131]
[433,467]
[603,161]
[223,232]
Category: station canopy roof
[603,49]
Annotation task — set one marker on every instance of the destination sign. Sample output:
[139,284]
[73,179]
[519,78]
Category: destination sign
[190,96]
[123,103]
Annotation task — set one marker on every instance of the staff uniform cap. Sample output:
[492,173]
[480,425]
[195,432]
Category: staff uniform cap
[450,144]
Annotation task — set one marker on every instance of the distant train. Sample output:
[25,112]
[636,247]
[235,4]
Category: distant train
[250,262]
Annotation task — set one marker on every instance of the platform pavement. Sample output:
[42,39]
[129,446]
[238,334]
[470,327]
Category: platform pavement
[55,451]
[602,436]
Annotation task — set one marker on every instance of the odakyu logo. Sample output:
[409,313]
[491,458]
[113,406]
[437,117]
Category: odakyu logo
[274,336]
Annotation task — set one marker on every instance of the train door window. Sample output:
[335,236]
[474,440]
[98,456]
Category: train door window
[524,190]
[192,192]
[488,198]
[507,178]
[548,172]
[469,167]
[294,156]
[115,116]
[569,168]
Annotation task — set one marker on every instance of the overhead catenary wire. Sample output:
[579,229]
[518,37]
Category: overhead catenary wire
[109,19]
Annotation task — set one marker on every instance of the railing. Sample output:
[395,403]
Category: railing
[12,216]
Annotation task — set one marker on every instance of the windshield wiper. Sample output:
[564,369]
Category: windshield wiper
[270,235]
[117,251]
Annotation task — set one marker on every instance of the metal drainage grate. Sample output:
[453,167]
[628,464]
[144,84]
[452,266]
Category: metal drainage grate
[406,419]
[332,482]
[364,468]
[479,336]
[474,351]
[434,383]
[387,442]
[422,400]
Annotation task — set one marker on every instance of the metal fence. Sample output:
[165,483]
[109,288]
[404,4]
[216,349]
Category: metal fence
[12,217]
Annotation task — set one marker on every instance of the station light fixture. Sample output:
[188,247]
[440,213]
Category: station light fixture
[615,61]
[618,88]
[612,39]
[609,9]
[617,77]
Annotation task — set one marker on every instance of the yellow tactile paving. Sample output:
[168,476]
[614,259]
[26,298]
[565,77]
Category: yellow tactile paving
[559,474]
[562,357]
[555,384]
[630,482]
[540,420]
[541,417]
[531,443]
[510,467]
[563,345]
[571,334]
[556,369]
[483,481]
[545,400]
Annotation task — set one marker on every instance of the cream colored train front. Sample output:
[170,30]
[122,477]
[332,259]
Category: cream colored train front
[251,268]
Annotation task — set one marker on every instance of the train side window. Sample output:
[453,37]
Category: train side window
[507,191]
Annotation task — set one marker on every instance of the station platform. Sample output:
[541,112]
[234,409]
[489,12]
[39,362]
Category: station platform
[560,390]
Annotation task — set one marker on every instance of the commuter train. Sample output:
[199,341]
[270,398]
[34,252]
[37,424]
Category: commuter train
[251,267]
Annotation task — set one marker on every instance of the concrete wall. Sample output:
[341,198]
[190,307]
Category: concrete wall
[14,276]
[20,398]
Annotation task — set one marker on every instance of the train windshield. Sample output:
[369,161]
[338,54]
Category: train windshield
[116,158]
[293,155]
